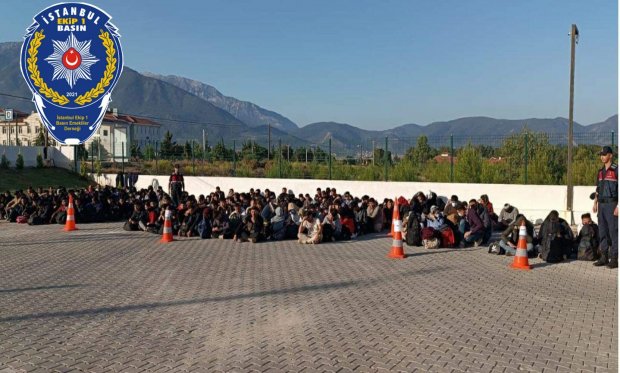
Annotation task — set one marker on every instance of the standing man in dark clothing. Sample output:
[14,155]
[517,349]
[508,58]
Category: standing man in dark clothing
[176,185]
[606,205]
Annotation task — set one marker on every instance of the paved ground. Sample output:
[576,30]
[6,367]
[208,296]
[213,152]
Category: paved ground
[101,299]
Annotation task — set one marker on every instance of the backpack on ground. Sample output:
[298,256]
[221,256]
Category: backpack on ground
[413,237]
[447,237]
[431,243]
[428,233]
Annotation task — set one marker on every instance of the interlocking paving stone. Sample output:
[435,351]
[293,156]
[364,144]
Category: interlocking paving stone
[101,299]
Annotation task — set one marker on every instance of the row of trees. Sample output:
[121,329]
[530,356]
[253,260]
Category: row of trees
[520,158]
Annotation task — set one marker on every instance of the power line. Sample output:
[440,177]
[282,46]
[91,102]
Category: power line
[144,116]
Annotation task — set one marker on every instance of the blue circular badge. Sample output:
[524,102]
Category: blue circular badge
[71,59]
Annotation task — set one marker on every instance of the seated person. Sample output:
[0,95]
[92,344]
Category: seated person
[278,223]
[435,219]
[137,220]
[374,214]
[476,228]
[332,227]
[220,225]
[450,210]
[510,236]
[555,237]
[251,229]
[587,241]
[506,217]
[310,229]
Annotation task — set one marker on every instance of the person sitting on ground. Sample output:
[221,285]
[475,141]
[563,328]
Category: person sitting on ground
[310,229]
[375,216]
[220,225]
[555,237]
[476,228]
[587,241]
[450,212]
[435,218]
[506,217]
[388,211]
[510,236]
[191,217]
[484,200]
[138,218]
[332,227]
[251,229]
[487,221]
[278,223]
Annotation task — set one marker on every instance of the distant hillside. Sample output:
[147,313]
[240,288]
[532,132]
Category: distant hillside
[186,107]
[247,112]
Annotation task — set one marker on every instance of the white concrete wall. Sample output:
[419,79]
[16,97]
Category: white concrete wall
[535,201]
[61,155]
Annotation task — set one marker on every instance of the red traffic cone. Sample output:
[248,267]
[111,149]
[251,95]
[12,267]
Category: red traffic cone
[167,236]
[70,224]
[397,243]
[521,261]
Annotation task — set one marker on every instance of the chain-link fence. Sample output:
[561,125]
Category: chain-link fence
[525,157]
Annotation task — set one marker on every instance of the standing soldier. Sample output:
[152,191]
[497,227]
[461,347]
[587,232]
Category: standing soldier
[176,185]
[606,204]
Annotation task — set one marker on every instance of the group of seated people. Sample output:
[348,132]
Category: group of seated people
[327,216]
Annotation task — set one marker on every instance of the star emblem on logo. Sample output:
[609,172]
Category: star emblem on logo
[71,60]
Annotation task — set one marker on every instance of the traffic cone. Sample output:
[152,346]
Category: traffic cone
[397,243]
[521,261]
[394,217]
[167,236]
[70,224]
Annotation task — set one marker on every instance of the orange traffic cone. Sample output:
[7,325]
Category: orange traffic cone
[397,243]
[70,224]
[167,236]
[521,261]
[394,217]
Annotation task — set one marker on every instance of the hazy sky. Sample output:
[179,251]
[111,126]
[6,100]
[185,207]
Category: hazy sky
[375,64]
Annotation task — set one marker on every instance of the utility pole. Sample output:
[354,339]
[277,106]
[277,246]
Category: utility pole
[204,145]
[574,38]
[268,141]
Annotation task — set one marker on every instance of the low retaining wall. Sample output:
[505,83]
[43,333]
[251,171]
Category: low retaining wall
[535,201]
[61,156]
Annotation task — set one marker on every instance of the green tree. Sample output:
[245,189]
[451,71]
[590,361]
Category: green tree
[468,169]
[19,162]
[40,140]
[136,152]
[379,155]
[166,148]
[149,152]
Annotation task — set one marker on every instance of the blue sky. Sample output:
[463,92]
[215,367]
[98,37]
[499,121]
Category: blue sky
[375,64]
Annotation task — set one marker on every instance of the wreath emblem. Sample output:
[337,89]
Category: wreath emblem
[54,96]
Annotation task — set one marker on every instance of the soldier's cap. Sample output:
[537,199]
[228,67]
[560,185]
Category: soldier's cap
[606,150]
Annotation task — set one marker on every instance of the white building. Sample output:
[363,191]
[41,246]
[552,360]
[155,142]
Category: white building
[27,126]
[118,132]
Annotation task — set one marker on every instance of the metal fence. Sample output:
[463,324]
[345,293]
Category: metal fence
[525,157]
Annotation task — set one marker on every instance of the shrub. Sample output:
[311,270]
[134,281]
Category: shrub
[19,162]
[4,163]
[39,161]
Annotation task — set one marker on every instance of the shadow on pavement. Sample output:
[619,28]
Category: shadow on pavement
[149,306]
[17,290]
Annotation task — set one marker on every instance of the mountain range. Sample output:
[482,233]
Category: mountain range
[186,107]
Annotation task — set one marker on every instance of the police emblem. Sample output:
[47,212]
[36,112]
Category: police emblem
[71,59]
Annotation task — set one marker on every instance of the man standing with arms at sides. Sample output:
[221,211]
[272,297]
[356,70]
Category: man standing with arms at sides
[176,185]
[606,205]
